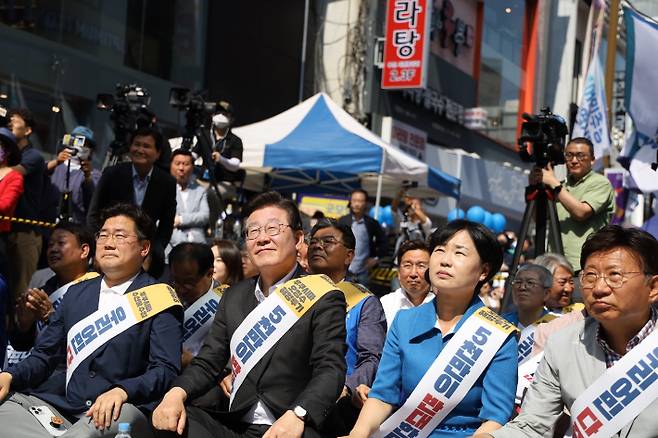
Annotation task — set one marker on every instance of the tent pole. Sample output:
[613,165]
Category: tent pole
[378,199]
[379,195]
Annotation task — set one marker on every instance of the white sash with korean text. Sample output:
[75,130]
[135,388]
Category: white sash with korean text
[620,394]
[452,374]
[94,331]
[199,317]
[12,357]
[272,319]
[527,337]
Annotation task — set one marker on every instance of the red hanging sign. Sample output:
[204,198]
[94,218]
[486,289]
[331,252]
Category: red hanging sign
[407,44]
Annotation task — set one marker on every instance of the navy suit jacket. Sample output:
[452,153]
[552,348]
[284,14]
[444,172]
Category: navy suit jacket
[143,360]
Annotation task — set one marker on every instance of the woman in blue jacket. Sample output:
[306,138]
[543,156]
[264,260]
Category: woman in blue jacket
[464,256]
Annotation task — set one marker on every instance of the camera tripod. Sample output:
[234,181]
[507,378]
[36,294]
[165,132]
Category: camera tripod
[540,200]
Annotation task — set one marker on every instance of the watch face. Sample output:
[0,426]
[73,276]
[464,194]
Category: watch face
[300,412]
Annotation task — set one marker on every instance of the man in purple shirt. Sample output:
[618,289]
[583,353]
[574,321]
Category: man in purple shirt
[330,252]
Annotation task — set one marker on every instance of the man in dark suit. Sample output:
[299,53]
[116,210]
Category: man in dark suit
[293,387]
[371,242]
[122,378]
[141,183]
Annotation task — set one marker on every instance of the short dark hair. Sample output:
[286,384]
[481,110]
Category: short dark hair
[274,199]
[143,223]
[359,190]
[82,234]
[635,240]
[149,131]
[24,114]
[193,251]
[486,244]
[182,151]
[348,235]
[232,258]
[411,245]
[584,140]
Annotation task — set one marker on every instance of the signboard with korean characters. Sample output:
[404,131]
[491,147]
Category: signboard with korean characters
[406,49]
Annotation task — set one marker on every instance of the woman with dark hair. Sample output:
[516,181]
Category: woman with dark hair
[228,262]
[448,368]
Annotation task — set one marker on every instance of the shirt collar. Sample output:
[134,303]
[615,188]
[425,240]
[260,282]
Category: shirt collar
[359,221]
[405,297]
[610,354]
[260,296]
[119,289]
[136,175]
[426,319]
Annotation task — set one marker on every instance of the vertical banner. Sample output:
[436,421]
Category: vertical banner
[406,48]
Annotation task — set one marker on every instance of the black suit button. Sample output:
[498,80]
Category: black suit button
[92,374]
[88,403]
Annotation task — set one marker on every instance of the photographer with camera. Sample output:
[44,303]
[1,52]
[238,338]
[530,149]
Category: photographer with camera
[585,200]
[72,172]
[413,223]
[227,147]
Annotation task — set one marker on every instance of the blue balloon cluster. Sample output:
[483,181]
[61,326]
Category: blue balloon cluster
[385,215]
[496,222]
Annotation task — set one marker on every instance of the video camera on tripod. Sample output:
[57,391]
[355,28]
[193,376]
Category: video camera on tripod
[129,111]
[546,132]
[198,115]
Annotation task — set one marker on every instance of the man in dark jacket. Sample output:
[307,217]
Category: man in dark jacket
[371,242]
[119,337]
[141,183]
[292,383]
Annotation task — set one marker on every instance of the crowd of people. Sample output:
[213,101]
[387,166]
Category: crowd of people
[141,317]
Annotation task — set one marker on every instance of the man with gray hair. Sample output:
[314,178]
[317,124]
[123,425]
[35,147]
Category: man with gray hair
[561,294]
[530,289]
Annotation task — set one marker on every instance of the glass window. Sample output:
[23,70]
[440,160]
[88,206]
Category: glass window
[500,67]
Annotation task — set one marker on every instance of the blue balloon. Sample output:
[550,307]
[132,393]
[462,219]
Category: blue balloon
[456,213]
[488,220]
[498,223]
[475,214]
[387,216]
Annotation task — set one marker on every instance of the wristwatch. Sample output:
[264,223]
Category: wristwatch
[300,413]
[557,190]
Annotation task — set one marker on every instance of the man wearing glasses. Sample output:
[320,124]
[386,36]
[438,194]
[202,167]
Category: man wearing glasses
[292,388]
[110,350]
[330,252]
[585,199]
[602,369]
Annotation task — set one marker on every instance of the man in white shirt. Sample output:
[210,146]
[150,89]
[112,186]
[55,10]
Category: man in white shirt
[413,259]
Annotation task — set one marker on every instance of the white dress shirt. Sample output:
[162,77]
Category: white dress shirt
[398,300]
[108,297]
[259,413]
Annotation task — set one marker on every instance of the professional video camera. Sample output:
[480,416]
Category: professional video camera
[547,132]
[198,111]
[129,112]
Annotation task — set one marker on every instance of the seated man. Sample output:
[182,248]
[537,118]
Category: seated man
[330,252]
[70,248]
[561,293]
[596,367]
[413,260]
[289,370]
[191,276]
[119,336]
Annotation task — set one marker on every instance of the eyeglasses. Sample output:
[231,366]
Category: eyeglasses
[528,283]
[408,266]
[614,279]
[119,238]
[324,242]
[578,156]
[271,229]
